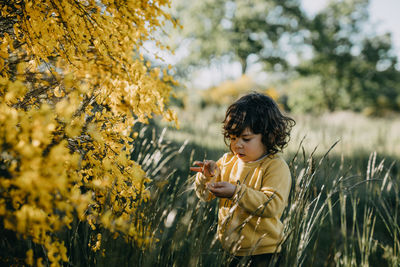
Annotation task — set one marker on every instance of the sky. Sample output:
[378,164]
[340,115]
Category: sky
[384,15]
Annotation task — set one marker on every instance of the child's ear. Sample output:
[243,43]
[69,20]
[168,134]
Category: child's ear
[271,138]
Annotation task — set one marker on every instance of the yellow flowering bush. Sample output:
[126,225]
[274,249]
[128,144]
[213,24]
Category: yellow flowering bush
[72,84]
[228,91]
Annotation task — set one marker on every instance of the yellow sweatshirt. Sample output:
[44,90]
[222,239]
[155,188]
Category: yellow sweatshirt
[249,223]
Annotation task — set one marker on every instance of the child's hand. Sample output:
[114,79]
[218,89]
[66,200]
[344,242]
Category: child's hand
[207,167]
[222,189]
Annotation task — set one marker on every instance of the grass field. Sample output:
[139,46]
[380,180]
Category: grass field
[344,205]
[355,132]
[343,208]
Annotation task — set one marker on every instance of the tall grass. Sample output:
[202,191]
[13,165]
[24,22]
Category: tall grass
[343,208]
[331,219]
[336,216]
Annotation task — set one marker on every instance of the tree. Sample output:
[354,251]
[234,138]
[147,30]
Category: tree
[237,30]
[356,69]
[72,84]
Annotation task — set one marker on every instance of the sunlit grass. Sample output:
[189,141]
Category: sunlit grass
[336,216]
[339,212]
[343,209]
[356,133]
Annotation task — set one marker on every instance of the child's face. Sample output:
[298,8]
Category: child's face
[248,146]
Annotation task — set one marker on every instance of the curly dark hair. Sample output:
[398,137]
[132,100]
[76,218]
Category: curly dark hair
[261,114]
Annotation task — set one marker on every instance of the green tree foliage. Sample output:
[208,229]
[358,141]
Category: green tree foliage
[349,67]
[355,70]
[235,30]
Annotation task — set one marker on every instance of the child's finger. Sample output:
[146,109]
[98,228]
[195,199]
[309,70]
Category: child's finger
[210,187]
[215,190]
[198,163]
[213,186]
[196,169]
[217,185]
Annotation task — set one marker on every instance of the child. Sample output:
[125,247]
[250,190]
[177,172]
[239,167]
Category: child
[252,181]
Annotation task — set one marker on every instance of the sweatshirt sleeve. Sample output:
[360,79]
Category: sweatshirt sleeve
[272,199]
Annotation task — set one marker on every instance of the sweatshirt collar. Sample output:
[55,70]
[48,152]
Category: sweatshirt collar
[251,163]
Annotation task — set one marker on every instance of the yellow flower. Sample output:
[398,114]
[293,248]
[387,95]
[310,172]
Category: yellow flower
[64,128]
[29,257]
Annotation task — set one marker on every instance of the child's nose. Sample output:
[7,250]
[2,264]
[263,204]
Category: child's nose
[239,144]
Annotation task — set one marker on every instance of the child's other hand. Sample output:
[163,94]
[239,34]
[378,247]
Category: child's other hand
[222,189]
[207,167]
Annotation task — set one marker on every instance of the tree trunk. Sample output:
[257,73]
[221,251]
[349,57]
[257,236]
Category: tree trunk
[243,63]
